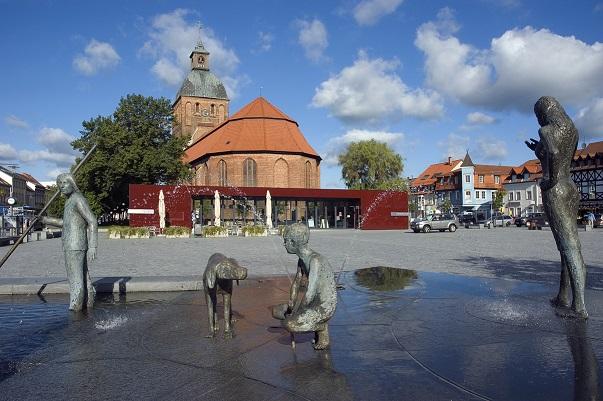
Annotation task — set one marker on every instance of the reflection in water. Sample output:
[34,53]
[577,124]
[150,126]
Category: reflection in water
[586,366]
[382,278]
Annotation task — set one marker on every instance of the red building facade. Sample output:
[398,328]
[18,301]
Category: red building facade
[318,208]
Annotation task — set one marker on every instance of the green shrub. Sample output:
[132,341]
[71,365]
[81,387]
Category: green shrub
[254,230]
[176,230]
[214,230]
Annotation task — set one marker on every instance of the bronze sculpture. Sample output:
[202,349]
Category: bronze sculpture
[555,150]
[312,309]
[80,233]
[217,278]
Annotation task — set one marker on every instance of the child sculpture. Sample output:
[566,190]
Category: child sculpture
[311,310]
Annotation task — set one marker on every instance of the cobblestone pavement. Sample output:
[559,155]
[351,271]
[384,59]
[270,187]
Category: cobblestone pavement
[505,252]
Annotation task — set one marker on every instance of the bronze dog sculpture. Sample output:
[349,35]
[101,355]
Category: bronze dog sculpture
[217,278]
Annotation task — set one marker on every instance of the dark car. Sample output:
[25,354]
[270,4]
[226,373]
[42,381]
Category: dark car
[537,222]
[522,221]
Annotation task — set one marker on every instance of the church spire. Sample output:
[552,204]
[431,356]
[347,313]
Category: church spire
[199,56]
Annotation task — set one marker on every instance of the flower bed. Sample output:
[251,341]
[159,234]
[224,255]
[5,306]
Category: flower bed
[177,232]
[119,232]
[214,231]
[255,231]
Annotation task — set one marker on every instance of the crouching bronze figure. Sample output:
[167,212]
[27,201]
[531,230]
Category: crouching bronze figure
[311,310]
[555,150]
[217,279]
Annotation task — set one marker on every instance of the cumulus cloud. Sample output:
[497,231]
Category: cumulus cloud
[15,121]
[97,56]
[369,12]
[57,149]
[312,36]
[589,120]
[370,90]
[477,118]
[7,153]
[56,140]
[454,146]
[335,146]
[520,66]
[491,149]
[171,40]
[265,40]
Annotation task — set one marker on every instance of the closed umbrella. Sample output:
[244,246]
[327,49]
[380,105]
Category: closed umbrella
[268,210]
[216,208]
[161,209]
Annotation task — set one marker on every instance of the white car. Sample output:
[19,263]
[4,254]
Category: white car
[500,220]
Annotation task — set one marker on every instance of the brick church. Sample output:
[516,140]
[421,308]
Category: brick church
[259,146]
[252,167]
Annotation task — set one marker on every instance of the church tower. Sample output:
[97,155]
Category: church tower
[201,103]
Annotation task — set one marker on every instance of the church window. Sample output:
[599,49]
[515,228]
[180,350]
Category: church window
[197,107]
[308,176]
[249,172]
[222,174]
[188,111]
[213,109]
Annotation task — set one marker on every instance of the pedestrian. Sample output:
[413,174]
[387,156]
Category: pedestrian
[591,219]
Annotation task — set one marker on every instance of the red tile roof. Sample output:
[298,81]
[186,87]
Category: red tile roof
[257,127]
[590,150]
[429,176]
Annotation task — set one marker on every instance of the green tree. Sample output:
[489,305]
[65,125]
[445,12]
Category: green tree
[134,146]
[372,165]
[446,206]
[498,201]
[56,208]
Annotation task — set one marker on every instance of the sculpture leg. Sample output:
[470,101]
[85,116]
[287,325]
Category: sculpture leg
[227,305]
[280,311]
[91,292]
[562,299]
[74,263]
[210,299]
[577,272]
[321,337]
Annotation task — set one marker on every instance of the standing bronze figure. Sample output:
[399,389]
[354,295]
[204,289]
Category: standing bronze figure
[80,233]
[555,150]
[308,310]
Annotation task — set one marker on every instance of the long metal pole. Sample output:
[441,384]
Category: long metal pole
[31,225]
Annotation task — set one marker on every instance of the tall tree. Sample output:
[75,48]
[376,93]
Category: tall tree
[498,201]
[372,165]
[134,146]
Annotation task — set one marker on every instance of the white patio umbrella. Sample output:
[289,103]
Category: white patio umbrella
[161,210]
[216,208]
[268,210]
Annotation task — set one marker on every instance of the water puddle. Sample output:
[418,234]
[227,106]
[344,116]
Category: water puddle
[383,278]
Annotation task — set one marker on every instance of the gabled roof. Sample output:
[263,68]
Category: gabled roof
[257,127]
[492,169]
[590,150]
[429,176]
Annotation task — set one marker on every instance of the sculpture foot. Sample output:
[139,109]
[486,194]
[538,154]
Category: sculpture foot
[572,313]
[211,334]
[228,334]
[321,339]
[558,302]
[75,308]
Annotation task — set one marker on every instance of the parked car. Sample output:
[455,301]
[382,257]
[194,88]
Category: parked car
[441,222]
[598,220]
[470,218]
[537,222]
[500,220]
[522,221]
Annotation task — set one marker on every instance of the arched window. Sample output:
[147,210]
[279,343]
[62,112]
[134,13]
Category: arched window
[222,174]
[281,174]
[213,109]
[308,175]
[188,111]
[197,107]
[249,173]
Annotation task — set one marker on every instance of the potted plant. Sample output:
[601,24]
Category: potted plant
[255,231]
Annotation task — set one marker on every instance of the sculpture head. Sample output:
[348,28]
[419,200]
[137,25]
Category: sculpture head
[227,269]
[296,236]
[549,111]
[66,184]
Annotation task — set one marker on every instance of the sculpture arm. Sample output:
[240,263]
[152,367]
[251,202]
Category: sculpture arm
[86,213]
[315,265]
[295,289]
[550,152]
[52,221]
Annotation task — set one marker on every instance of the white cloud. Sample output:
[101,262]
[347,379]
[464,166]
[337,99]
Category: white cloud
[7,152]
[60,159]
[369,12]
[312,37]
[57,149]
[337,145]
[15,121]
[454,146]
[477,118]
[97,56]
[370,90]
[589,120]
[265,41]
[491,149]
[56,140]
[520,66]
[171,40]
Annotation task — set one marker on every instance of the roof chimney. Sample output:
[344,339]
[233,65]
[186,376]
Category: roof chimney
[449,160]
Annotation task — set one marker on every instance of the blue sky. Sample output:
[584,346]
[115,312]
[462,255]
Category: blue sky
[432,79]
